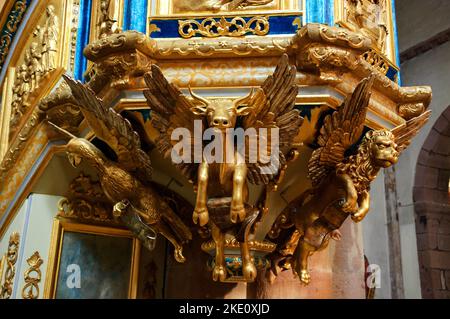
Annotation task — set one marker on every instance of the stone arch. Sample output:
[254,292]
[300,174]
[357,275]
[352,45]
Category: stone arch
[432,209]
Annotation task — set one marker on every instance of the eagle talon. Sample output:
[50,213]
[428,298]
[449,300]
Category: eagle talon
[120,208]
[219,273]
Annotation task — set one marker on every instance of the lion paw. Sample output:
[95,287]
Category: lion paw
[219,273]
[200,216]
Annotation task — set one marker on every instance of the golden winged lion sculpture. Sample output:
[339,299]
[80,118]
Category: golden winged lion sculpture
[222,187]
[125,182]
[340,183]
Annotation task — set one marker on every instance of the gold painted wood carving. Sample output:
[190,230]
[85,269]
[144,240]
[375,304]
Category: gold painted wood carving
[11,259]
[40,59]
[222,186]
[32,277]
[86,202]
[213,27]
[340,183]
[125,182]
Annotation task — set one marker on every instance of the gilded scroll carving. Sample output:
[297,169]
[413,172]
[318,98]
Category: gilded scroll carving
[214,27]
[11,259]
[86,202]
[32,277]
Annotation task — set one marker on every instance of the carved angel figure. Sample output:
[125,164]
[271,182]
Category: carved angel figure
[222,187]
[340,183]
[125,182]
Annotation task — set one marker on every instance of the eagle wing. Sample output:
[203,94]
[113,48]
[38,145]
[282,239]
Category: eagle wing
[113,129]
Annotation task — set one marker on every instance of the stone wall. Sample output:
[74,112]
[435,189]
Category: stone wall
[431,202]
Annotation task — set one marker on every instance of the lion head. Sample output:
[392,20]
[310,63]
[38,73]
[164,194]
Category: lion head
[377,150]
[382,148]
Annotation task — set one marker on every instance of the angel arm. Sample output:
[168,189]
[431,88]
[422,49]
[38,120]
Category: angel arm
[113,129]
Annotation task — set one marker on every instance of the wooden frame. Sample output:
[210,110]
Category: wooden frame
[62,225]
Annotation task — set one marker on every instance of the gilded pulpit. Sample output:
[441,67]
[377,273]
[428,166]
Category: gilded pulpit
[225,144]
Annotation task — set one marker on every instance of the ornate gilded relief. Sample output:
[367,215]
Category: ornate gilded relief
[10,272]
[106,18]
[340,182]
[86,202]
[195,7]
[372,18]
[216,27]
[32,277]
[39,60]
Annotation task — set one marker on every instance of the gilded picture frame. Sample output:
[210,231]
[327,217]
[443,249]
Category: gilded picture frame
[62,226]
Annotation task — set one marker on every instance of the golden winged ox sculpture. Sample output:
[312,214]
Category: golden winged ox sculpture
[222,187]
[341,183]
[125,182]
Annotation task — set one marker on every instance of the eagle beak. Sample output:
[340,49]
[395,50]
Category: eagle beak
[74,159]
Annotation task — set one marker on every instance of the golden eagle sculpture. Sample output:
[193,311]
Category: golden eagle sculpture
[340,183]
[125,182]
[222,187]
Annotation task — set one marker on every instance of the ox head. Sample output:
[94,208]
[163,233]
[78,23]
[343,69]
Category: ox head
[221,113]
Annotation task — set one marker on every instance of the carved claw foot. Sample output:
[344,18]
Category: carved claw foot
[219,273]
[237,213]
[200,216]
[120,208]
[249,271]
[178,254]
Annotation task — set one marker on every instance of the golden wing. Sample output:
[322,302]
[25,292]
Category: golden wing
[404,133]
[339,131]
[170,109]
[113,129]
[272,107]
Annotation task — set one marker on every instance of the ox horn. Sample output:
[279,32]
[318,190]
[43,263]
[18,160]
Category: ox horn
[198,98]
[61,130]
[245,98]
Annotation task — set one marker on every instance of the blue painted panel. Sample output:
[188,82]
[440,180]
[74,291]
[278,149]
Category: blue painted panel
[135,15]
[84,22]
[278,25]
[320,11]
[105,263]
[397,54]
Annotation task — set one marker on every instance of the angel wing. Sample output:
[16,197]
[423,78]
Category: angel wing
[113,129]
[272,106]
[339,131]
[171,109]
[404,133]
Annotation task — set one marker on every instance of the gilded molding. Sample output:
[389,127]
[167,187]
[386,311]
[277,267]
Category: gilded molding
[253,245]
[32,277]
[11,259]
[216,27]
